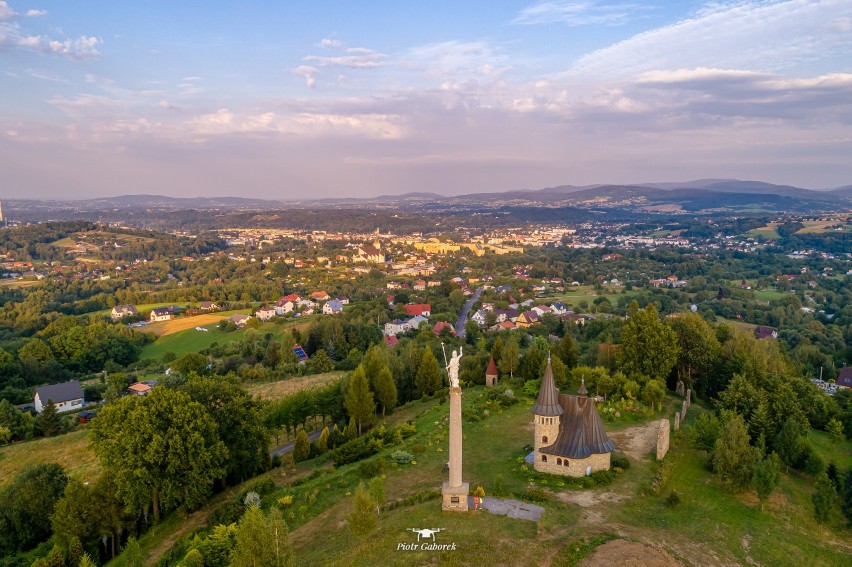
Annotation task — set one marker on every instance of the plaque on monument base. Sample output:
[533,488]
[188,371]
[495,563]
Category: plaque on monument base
[454,498]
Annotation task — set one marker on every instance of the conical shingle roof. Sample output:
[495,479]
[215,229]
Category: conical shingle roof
[491,370]
[548,396]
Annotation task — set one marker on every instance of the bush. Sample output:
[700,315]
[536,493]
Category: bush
[372,468]
[355,450]
[262,485]
[226,513]
[621,462]
[673,499]
[402,457]
[535,494]
[275,462]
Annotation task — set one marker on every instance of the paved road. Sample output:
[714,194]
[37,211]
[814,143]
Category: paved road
[463,315]
[287,447]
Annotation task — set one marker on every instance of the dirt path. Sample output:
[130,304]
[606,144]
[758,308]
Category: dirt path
[637,442]
[630,553]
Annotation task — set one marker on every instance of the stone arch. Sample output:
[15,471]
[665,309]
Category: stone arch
[544,438]
[558,461]
[544,458]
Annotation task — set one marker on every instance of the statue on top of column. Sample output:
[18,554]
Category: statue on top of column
[453,368]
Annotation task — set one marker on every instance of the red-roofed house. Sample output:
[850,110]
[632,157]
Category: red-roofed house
[416,309]
[441,325]
[391,341]
[844,379]
[320,296]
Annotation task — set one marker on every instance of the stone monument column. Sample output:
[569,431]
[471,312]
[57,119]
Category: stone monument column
[454,492]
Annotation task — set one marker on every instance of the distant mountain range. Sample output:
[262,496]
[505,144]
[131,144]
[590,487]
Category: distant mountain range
[699,196]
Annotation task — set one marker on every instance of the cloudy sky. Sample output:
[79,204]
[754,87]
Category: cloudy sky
[314,99]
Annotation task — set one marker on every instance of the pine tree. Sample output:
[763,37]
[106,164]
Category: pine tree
[385,389]
[362,521]
[846,494]
[568,350]
[322,442]
[497,350]
[302,447]
[733,457]
[359,399]
[48,421]
[132,554]
[824,498]
[835,429]
[765,477]
[428,379]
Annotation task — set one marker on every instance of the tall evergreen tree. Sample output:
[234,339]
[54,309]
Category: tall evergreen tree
[385,389]
[359,399]
[428,379]
[362,521]
[824,498]
[568,350]
[733,457]
[48,422]
[765,477]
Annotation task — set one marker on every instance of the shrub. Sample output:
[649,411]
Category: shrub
[262,485]
[226,513]
[673,499]
[355,450]
[621,462]
[371,468]
[401,457]
[535,494]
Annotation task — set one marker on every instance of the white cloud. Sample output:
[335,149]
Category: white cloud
[772,35]
[6,11]
[330,43]
[577,14]
[356,58]
[81,48]
[308,72]
[36,13]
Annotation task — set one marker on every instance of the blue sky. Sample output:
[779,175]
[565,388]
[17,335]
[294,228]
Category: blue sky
[317,99]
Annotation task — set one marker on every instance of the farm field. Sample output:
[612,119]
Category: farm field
[768,232]
[163,328]
[572,296]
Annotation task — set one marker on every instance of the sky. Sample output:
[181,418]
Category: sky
[306,99]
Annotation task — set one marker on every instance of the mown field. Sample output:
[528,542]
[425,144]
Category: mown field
[190,340]
[282,388]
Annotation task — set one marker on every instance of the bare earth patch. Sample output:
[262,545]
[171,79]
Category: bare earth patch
[637,442]
[630,554]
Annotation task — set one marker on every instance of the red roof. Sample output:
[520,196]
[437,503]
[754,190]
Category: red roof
[418,309]
[492,368]
[441,325]
[391,341]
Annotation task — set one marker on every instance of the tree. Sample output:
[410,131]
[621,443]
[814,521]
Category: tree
[510,357]
[189,363]
[362,521]
[698,347]
[733,458]
[26,505]
[568,350]
[835,429]
[765,477]
[163,450]
[648,347]
[48,421]
[322,442]
[376,490]
[846,496]
[239,420]
[359,400]
[824,498]
[385,389]
[789,442]
[116,387]
[321,362]
[302,447]
[262,541]
[653,393]
[428,379]
[497,349]
[132,554]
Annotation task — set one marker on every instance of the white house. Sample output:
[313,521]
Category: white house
[283,307]
[239,319]
[333,307]
[120,311]
[265,313]
[161,314]
[67,396]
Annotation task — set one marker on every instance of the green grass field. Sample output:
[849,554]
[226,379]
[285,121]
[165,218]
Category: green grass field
[191,340]
[70,450]
[770,294]
[572,296]
[283,388]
